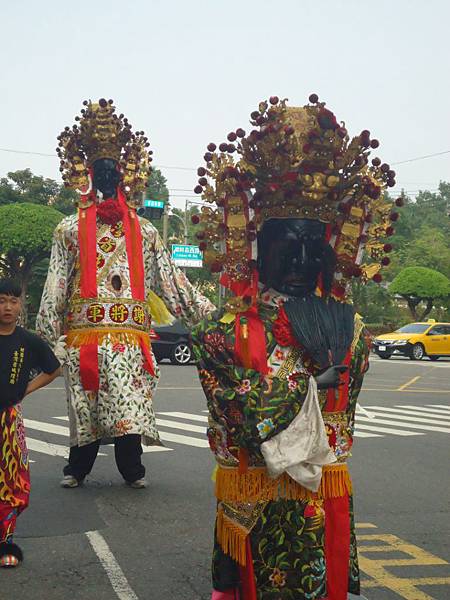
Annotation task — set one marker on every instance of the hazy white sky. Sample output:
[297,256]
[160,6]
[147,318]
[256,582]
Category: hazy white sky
[188,72]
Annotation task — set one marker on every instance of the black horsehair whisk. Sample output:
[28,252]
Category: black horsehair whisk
[323,327]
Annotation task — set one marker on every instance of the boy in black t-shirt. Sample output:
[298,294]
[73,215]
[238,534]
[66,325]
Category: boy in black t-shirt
[20,353]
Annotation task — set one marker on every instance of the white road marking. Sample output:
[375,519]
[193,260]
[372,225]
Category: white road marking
[184,415]
[49,388]
[445,406]
[47,427]
[183,439]
[405,412]
[385,430]
[390,413]
[399,424]
[363,434]
[172,437]
[432,411]
[146,449]
[410,363]
[197,387]
[46,448]
[183,426]
[113,570]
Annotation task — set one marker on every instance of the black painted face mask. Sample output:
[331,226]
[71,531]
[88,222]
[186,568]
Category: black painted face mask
[106,177]
[292,253]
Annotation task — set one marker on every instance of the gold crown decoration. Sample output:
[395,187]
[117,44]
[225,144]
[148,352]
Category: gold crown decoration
[297,162]
[100,133]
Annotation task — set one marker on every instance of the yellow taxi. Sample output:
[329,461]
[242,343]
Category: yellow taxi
[415,340]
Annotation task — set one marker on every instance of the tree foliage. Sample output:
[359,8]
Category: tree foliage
[23,186]
[420,284]
[422,239]
[26,232]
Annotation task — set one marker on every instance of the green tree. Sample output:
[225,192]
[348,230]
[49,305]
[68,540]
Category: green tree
[422,233]
[422,238]
[23,186]
[157,190]
[26,232]
[420,284]
[374,303]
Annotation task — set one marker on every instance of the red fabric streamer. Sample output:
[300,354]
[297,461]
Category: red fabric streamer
[282,330]
[133,240]
[89,367]
[248,583]
[256,342]
[87,225]
[148,360]
[337,398]
[337,546]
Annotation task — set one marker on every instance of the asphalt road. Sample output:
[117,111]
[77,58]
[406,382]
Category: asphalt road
[105,541]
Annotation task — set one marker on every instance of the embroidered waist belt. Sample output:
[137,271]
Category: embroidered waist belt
[101,313]
[120,320]
[255,485]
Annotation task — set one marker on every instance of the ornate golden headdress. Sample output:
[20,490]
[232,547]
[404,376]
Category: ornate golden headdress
[296,163]
[101,133]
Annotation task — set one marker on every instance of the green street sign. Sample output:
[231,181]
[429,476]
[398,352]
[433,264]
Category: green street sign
[153,203]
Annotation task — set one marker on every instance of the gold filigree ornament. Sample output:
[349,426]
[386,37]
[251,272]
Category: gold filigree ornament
[296,162]
[100,133]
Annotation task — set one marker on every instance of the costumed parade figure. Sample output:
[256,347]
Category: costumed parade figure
[105,266]
[282,366]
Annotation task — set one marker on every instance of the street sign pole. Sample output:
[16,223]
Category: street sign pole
[165,225]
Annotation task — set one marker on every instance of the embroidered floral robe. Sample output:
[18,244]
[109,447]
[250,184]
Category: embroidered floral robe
[281,524]
[123,403]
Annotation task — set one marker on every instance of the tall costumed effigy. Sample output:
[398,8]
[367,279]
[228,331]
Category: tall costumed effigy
[108,269]
[297,210]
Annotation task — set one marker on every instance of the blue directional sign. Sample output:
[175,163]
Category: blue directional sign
[187,256]
[153,203]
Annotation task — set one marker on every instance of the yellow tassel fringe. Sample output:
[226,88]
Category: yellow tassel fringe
[231,538]
[255,485]
[116,335]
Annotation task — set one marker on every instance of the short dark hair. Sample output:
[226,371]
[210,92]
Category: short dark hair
[10,287]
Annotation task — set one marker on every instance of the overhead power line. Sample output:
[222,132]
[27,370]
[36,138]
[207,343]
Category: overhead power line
[402,162]
[12,151]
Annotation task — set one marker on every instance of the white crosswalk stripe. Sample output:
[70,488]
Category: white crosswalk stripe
[416,412]
[401,419]
[432,411]
[61,447]
[189,429]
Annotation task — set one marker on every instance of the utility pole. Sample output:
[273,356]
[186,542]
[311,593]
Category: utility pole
[165,224]
[185,220]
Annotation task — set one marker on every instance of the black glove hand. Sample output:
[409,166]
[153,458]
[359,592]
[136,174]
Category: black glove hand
[330,378]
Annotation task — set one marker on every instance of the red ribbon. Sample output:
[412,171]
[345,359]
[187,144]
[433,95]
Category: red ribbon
[256,341]
[89,367]
[337,546]
[337,398]
[282,330]
[87,226]
[247,574]
[133,240]
[253,349]
[148,361]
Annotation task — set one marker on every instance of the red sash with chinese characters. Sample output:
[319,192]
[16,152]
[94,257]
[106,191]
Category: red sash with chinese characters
[87,237]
